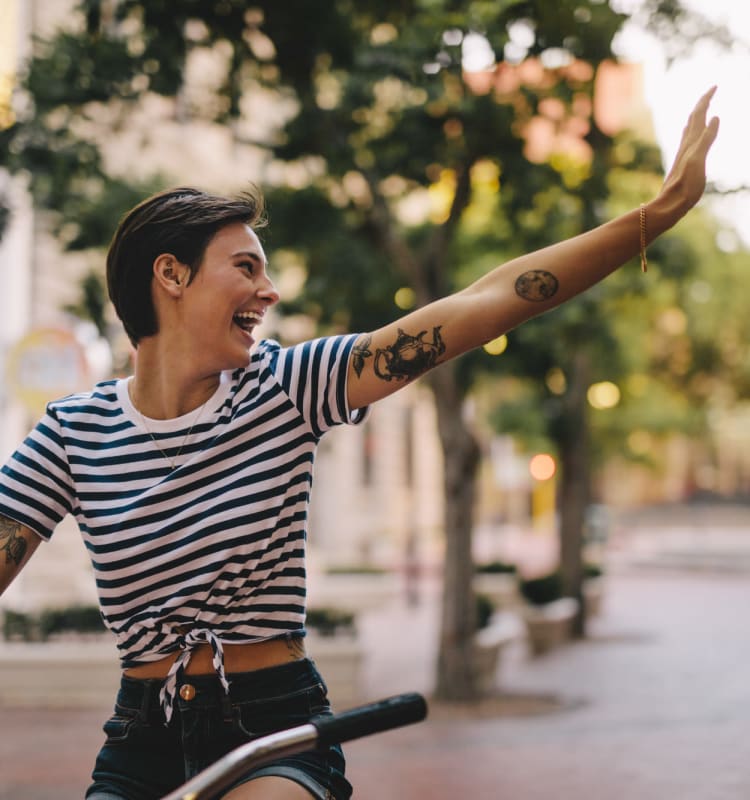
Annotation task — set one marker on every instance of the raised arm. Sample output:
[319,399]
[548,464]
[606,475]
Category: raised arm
[17,545]
[387,359]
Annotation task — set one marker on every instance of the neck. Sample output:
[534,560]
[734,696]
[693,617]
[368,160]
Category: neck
[165,387]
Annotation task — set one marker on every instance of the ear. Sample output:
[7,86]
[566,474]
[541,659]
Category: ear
[170,274]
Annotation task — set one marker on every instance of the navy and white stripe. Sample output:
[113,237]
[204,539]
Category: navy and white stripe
[214,549]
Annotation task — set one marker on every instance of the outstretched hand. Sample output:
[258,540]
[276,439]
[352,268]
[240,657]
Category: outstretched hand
[686,180]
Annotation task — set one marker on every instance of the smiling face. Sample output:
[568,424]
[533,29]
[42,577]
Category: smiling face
[227,298]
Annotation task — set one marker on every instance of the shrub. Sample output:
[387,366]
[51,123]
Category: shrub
[355,569]
[330,621]
[485,610]
[591,570]
[542,590]
[17,625]
[73,619]
[39,627]
[496,568]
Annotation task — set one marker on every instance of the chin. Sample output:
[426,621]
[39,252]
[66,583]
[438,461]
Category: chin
[241,359]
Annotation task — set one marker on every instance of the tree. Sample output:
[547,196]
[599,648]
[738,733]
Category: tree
[399,157]
[653,340]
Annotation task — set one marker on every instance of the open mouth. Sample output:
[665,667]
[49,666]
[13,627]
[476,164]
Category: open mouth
[247,320]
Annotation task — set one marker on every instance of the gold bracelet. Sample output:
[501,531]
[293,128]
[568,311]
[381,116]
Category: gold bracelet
[642,220]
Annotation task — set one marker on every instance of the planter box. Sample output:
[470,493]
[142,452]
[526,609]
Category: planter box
[550,625]
[489,644]
[86,674]
[339,660]
[593,590]
[500,588]
[64,674]
[354,592]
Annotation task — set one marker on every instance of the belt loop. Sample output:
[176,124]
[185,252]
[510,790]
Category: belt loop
[145,701]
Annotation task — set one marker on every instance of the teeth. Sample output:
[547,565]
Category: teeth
[248,316]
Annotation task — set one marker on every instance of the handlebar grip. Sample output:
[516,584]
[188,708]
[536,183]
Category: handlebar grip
[403,709]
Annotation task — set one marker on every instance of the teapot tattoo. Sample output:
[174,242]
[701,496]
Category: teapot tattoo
[409,356]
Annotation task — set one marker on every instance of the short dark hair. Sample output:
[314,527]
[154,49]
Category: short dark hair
[180,221]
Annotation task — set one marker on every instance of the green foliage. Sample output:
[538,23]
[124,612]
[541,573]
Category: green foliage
[348,283]
[496,568]
[17,625]
[331,621]
[356,569]
[542,590]
[93,301]
[42,625]
[485,610]
[4,215]
[592,570]
[78,619]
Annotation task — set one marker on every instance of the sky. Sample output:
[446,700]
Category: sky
[672,91]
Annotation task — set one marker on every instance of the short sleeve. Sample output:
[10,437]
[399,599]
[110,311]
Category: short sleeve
[314,375]
[35,484]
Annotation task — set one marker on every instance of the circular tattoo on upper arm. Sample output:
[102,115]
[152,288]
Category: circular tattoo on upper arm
[536,285]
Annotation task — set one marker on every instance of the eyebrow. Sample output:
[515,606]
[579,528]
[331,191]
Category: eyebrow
[250,254]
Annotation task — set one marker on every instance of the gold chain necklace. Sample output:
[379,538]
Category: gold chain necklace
[172,461]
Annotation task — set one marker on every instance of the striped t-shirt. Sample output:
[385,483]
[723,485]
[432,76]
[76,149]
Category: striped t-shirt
[212,550]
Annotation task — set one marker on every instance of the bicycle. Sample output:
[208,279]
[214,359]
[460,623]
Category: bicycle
[383,715]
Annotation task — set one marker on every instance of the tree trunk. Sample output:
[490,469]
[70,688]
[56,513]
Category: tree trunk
[575,483]
[456,673]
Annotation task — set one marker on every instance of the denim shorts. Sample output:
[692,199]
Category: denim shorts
[145,759]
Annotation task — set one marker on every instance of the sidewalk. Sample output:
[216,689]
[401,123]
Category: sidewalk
[652,705]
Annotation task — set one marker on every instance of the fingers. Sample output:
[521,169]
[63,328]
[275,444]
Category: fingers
[696,128]
[708,137]
[697,118]
[705,133]
[706,99]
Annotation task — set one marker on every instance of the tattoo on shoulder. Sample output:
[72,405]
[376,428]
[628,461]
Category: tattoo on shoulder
[536,285]
[409,356]
[11,543]
[360,352]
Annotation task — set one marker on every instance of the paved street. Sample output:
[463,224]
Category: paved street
[653,705]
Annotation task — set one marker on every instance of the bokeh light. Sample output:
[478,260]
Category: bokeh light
[542,467]
[405,298]
[496,346]
[603,395]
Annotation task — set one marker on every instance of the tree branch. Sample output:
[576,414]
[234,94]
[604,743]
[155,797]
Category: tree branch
[395,245]
[442,236]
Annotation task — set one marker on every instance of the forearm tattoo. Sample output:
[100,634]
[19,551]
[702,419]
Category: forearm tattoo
[409,356]
[11,543]
[537,285]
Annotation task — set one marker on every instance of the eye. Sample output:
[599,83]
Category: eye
[246,265]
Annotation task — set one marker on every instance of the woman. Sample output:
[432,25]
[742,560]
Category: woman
[190,480]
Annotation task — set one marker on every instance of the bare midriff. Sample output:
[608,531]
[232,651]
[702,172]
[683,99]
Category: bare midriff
[237,658]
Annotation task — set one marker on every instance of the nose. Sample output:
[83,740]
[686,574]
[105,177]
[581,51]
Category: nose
[268,291]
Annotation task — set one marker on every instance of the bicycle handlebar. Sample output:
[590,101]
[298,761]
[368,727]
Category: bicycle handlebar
[392,712]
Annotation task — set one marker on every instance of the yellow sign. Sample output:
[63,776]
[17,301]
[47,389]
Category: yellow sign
[46,364]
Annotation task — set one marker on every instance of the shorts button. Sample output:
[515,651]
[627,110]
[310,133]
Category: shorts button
[187,691]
